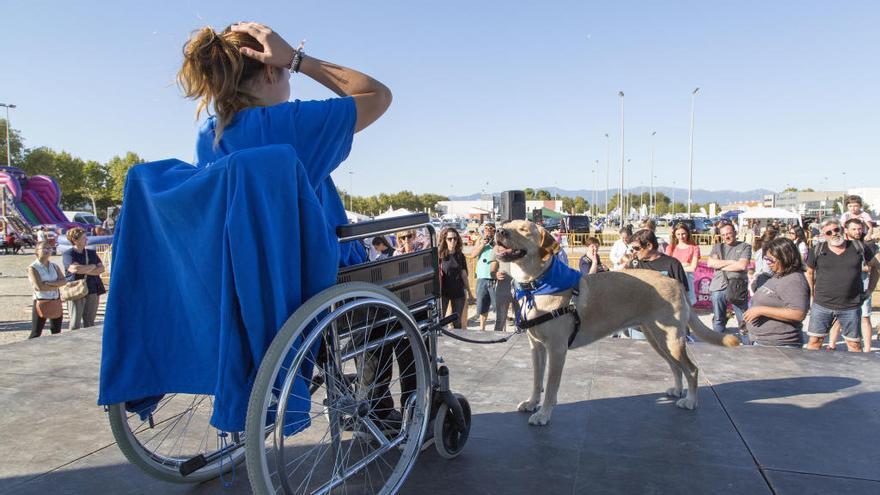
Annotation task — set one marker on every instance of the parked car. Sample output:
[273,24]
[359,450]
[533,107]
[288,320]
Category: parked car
[579,224]
[86,218]
[695,225]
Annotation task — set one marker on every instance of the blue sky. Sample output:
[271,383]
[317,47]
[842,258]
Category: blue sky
[513,94]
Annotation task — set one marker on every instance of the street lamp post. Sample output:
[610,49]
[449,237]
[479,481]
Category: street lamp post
[627,201]
[607,171]
[673,199]
[350,187]
[593,209]
[622,159]
[8,149]
[691,160]
[652,205]
[8,159]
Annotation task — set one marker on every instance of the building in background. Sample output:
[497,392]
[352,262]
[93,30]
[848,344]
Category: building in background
[473,208]
[807,203]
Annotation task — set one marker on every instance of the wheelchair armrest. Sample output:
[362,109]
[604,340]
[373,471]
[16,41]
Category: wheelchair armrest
[396,223]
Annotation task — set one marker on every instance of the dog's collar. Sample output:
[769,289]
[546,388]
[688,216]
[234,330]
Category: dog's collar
[534,284]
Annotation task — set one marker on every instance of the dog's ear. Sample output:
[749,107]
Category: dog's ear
[549,246]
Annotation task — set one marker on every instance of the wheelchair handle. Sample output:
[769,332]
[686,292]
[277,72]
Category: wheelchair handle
[354,231]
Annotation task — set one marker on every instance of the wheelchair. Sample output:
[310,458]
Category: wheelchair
[347,395]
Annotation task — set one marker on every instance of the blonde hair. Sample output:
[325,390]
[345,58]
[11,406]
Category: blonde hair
[214,72]
[74,234]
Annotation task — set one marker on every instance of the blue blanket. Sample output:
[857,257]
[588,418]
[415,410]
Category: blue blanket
[208,263]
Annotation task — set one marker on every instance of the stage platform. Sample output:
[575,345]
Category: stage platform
[774,421]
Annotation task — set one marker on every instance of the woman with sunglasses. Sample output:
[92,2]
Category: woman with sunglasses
[780,305]
[454,289]
[46,278]
[406,242]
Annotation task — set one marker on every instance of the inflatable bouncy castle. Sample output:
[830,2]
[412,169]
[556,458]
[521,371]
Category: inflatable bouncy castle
[35,200]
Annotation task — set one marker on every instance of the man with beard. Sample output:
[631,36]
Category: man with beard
[855,229]
[834,273]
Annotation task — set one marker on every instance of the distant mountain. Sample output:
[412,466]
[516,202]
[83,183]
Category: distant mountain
[700,195]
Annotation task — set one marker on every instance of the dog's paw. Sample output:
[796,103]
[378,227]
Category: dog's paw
[686,403]
[674,392]
[527,406]
[539,419]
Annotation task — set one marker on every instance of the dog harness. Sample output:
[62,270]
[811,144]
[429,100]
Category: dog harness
[557,278]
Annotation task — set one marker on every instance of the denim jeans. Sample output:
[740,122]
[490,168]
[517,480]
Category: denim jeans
[719,311]
[821,319]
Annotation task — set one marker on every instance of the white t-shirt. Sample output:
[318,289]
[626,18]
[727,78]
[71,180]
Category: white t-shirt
[618,251]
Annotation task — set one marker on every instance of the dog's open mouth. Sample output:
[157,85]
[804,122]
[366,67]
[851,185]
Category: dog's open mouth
[505,253]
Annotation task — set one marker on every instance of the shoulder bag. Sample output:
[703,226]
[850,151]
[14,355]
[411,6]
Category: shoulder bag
[78,289]
[737,291]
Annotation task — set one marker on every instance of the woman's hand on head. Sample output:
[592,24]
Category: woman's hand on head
[276,52]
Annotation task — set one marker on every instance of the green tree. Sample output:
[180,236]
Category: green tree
[69,176]
[117,170]
[543,195]
[96,185]
[580,205]
[39,161]
[15,142]
[568,204]
[530,193]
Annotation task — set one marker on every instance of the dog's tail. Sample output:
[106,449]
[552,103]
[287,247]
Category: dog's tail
[706,334]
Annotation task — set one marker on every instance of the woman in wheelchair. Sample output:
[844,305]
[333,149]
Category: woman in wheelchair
[243,72]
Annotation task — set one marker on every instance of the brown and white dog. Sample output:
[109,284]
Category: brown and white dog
[606,302]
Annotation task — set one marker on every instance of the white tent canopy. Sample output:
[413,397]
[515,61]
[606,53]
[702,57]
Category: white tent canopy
[355,217]
[394,213]
[766,214]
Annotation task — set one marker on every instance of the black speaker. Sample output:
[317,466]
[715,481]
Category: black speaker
[513,205]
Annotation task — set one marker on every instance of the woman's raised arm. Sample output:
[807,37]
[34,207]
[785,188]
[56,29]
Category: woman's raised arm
[371,97]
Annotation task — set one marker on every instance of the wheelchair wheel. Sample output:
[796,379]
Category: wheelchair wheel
[449,440]
[175,434]
[343,421]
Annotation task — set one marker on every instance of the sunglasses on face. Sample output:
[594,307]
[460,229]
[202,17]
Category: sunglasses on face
[835,230]
[405,236]
[636,248]
[451,239]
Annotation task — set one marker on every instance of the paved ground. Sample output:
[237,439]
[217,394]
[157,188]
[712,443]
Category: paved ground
[770,421]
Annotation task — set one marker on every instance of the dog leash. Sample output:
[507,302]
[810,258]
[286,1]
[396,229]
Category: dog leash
[474,341]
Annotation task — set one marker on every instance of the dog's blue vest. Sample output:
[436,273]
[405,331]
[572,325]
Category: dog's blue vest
[558,278]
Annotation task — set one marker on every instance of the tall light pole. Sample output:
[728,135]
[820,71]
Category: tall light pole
[607,171]
[627,201]
[691,161]
[651,203]
[673,199]
[622,159]
[8,159]
[8,149]
[350,186]
[593,209]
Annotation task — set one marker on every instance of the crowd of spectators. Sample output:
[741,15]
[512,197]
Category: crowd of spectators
[769,285]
